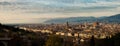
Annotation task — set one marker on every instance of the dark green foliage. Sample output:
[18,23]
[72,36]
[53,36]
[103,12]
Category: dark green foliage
[20,37]
[54,41]
[104,42]
[116,39]
[92,41]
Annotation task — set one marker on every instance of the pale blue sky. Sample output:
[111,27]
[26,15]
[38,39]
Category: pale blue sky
[37,11]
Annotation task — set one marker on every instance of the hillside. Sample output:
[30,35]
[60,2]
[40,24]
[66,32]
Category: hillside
[11,31]
[112,19]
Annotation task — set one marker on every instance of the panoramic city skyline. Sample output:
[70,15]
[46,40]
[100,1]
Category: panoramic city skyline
[38,11]
[59,22]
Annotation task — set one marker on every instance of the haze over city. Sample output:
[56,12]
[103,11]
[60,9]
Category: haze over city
[38,11]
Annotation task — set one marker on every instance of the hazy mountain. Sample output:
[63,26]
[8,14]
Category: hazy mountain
[115,18]
[112,19]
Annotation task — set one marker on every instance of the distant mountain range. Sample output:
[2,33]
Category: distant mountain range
[110,19]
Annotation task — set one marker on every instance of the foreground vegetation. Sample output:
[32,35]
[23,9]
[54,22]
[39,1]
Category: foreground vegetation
[21,37]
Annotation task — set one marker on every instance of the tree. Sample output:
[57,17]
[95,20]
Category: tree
[0,24]
[92,41]
[116,39]
[54,41]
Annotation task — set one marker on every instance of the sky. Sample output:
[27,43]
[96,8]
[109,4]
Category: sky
[38,11]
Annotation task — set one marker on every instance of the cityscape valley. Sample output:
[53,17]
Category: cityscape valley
[62,34]
[59,22]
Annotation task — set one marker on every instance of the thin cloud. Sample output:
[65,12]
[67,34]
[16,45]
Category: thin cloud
[55,9]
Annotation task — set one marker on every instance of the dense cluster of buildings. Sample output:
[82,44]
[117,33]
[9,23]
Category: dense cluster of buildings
[86,30]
